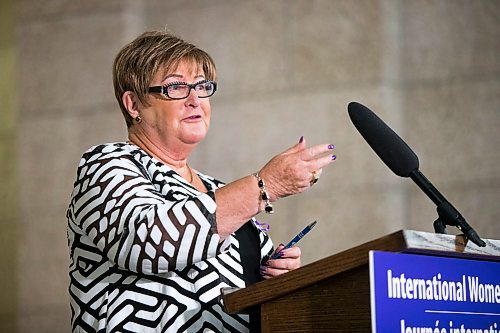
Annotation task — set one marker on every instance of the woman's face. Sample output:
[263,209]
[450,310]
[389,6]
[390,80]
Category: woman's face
[177,121]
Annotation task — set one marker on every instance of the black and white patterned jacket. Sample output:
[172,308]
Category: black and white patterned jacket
[145,253]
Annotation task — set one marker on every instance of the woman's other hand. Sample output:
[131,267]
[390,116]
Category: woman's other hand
[289,260]
[291,171]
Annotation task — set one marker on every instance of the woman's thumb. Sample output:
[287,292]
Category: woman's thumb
[298,146]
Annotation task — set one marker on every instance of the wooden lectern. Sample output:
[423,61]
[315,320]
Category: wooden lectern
[333,294]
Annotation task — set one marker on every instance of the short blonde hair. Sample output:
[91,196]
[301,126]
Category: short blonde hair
[138,62]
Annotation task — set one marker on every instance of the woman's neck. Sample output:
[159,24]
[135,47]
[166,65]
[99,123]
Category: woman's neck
[175,156]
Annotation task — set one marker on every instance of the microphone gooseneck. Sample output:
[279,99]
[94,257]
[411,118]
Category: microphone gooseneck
[448,215]
[401,159]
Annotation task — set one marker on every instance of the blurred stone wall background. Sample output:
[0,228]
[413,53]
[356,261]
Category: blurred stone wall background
[429,68]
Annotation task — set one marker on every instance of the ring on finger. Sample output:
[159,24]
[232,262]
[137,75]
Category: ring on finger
[315,177]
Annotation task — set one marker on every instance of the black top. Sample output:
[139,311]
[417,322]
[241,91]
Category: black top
[250,259]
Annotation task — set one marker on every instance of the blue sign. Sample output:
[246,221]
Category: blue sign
[418,293]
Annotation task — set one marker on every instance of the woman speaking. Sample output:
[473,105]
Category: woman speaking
[152,240]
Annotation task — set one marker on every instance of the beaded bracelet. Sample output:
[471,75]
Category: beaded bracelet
[263,194]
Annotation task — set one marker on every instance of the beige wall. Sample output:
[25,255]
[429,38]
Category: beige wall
[286,68]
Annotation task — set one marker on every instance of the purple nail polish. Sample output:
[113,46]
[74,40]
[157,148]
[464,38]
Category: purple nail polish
[331,147]
[301,139]
[334,157]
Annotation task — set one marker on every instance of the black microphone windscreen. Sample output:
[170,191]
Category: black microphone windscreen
[395,153]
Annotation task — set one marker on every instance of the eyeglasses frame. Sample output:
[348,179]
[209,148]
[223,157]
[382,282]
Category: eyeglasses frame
[164,88]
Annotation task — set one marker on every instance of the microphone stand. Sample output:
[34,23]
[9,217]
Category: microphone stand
[448,215]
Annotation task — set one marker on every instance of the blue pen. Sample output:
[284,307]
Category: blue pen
[295,239]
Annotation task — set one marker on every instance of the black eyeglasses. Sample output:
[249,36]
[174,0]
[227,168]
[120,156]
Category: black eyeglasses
[181,90]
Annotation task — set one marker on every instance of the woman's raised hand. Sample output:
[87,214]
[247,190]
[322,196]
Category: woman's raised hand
[296,169]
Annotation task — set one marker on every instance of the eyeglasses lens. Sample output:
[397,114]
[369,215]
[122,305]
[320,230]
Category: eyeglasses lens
[181,90]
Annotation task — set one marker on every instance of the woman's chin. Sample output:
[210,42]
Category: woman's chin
[194,138]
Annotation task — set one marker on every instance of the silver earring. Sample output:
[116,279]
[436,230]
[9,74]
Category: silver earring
[138,119]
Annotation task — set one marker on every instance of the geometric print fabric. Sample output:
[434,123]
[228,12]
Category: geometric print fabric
[145,255]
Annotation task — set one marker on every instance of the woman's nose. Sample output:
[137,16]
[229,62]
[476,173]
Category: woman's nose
[193,99]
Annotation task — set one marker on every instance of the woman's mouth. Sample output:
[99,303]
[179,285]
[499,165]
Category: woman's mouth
[193,117]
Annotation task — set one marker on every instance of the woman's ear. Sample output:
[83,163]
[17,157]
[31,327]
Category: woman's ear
[131,103]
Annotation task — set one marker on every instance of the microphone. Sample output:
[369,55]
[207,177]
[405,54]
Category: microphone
[395,153]
[401,159]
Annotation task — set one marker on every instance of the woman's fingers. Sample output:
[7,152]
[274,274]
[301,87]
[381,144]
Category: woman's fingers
[289,260]
[279,248]
[315,152]
[290,253]
[280,266]
[321,162]
[296,169]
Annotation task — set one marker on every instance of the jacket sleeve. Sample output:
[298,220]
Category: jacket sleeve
[116,205]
